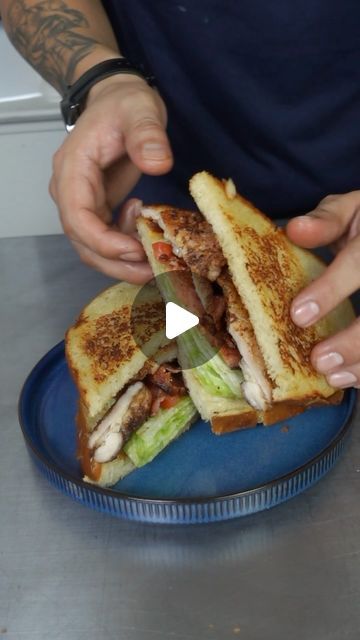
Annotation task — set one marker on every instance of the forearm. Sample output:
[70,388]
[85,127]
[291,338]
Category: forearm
[61,39]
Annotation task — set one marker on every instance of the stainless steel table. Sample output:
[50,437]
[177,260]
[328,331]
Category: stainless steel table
[69,573]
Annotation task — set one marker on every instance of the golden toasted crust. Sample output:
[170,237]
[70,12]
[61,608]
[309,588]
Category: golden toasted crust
[228,422]
[268,272]
[101,351]
[278,412]
[285,410]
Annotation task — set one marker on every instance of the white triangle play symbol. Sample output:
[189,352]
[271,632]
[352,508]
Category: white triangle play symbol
[178,320]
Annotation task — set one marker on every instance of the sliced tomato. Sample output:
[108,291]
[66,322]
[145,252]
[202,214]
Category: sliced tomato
[169,401]
[162,251]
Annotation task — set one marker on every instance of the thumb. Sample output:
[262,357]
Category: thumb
[128,213]
[325,224]
[145,139]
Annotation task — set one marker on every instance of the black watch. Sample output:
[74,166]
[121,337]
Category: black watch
[73,103]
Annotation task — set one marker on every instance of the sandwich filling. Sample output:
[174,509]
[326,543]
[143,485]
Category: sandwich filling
[191,238]
[156,387]
[191,249]
[128,411]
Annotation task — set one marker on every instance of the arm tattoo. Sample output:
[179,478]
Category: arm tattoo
[45,34]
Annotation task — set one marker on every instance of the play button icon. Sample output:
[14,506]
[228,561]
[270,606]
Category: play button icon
[165,310]
[178,320]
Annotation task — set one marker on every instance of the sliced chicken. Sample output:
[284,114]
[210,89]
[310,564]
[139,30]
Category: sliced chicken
[191,237]
[257,387]
[128,412]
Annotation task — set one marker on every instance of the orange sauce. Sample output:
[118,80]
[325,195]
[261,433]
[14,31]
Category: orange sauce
[89,466]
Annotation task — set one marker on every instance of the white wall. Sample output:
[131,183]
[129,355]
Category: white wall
[30,132]
[26,208]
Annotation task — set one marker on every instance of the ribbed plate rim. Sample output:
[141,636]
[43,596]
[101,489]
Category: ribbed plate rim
[62,474]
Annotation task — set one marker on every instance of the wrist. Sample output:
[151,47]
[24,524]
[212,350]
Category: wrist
[76,96]
[107,84]
[97,55]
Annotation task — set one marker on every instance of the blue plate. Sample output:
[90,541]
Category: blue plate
[200,477]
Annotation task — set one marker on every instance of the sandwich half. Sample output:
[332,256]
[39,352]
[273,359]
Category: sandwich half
[267,272]
[131,405]
[245,273]
[207,354]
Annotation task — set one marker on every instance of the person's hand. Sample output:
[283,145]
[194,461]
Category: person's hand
[120,135]
[336,221]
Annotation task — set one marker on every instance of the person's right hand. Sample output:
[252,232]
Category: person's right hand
[120,135]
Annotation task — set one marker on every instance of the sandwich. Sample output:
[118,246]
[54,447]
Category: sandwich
[234,268]
[132,398]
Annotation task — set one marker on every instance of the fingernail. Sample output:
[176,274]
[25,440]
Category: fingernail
[305,313]
[127,213]
[303,219]
[134,208]
[138,213]
[135,256]
[342,379]
[329,361]
[154,151]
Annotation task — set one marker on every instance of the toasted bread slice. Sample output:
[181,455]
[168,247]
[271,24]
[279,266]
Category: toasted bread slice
[112,472]
[101,351]
[268,272]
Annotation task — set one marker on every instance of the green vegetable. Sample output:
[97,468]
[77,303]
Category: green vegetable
[214,374]
[157,432]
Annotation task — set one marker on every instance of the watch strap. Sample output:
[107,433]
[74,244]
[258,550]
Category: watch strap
[73,101]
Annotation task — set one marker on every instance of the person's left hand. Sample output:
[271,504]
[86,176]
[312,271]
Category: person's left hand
[336,221]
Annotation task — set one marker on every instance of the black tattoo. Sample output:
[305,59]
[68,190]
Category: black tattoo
[45,34]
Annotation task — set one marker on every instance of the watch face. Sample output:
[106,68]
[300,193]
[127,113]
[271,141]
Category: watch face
[69,127]
[70,113]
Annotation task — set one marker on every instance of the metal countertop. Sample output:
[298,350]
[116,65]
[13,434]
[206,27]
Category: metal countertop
[73,574]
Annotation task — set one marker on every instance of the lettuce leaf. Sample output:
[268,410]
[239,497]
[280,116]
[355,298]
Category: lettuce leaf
[194,348]
[158,431]
[214,374]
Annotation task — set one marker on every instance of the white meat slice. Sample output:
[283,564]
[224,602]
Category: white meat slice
[257,387]
[106,440]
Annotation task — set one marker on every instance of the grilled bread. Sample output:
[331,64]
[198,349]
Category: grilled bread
[268,271]
[101,351]
[224,414]
[231,245]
